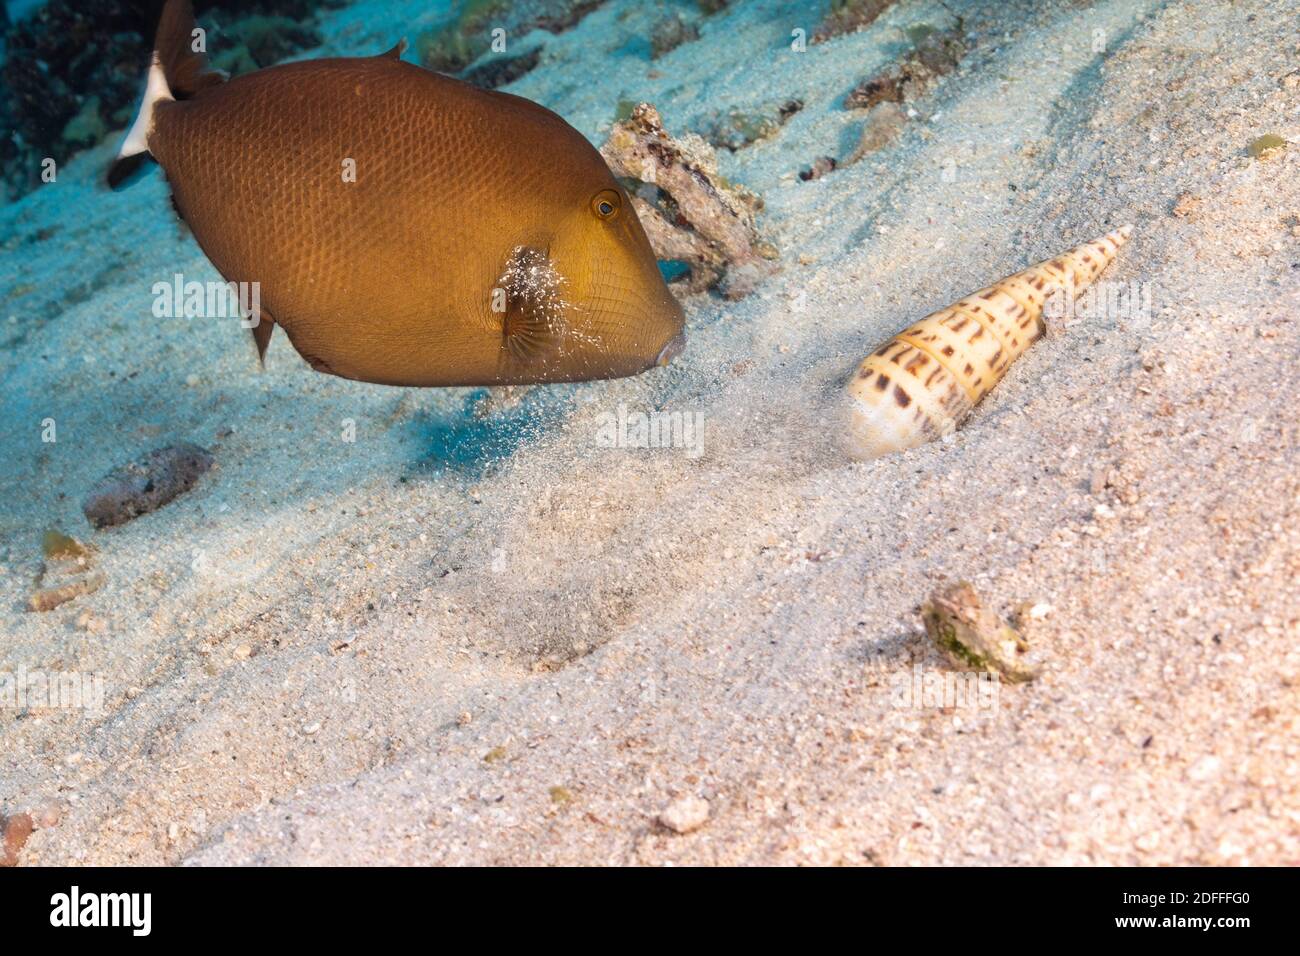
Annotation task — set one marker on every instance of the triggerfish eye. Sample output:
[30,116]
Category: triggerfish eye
[606,203]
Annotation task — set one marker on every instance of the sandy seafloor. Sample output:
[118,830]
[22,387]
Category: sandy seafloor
[309,657]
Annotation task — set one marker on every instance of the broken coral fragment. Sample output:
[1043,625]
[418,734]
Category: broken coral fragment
[974,636]
[735,129]
[48,598]
[885,95]
[477,25]
[936,54]
[690,213]
[670,32]
[66,573]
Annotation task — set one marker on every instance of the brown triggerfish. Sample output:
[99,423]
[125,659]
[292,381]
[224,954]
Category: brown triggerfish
[404,227]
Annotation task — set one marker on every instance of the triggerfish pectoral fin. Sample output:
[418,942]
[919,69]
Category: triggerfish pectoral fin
[533,322]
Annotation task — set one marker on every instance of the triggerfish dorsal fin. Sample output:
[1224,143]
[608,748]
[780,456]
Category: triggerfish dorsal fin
[178,71]
[396,52]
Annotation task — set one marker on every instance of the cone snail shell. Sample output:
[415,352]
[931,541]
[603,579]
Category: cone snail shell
[924,381]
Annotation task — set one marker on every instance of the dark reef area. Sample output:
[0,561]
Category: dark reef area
[71,75]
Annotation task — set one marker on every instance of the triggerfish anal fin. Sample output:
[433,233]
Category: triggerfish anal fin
[262,335]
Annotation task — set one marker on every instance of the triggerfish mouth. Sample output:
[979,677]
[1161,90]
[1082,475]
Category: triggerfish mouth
[403,227]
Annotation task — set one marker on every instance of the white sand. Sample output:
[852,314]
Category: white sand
[634,626]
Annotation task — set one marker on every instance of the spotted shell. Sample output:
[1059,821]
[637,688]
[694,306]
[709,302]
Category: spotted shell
[924,381]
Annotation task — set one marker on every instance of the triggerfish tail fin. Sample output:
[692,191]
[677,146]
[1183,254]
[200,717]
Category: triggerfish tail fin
[181,49]
[179,70]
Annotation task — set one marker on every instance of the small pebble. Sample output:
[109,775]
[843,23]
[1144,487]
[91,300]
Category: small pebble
[91,623]
[685,814]
[1040,611]
[14,832]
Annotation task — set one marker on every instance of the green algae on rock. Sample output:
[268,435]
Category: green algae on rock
[735,129]
[975,637]
[1266,145]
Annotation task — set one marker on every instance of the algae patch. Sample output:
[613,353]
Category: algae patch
[974,636]
[1266,145]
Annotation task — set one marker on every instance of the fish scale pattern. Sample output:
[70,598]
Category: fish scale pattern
[376,203]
